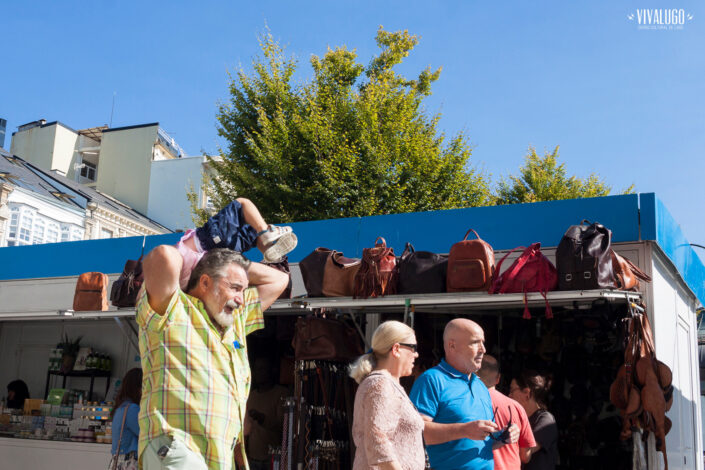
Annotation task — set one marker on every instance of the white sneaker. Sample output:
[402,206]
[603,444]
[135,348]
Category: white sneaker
[278,241]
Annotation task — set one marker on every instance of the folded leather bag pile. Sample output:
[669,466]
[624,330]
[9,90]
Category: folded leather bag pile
[642,390]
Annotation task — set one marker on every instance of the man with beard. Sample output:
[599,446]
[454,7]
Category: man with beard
[459,430]
[194,356]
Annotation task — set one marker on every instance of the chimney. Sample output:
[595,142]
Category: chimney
[3,126]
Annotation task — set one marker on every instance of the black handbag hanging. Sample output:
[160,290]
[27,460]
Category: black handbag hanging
[124,292]
[422,272]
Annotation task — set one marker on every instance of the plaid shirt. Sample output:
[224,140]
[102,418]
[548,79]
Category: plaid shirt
[196,381]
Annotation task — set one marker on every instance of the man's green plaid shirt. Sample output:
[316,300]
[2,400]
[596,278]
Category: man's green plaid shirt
[196,381]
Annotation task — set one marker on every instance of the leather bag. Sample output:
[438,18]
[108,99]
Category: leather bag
[339,275]
[530,272]
[312,270]
[123,293]
[91,292]
[583,258]
[470,265]
[378,273]
[627,275]
[422,272]
[326,339]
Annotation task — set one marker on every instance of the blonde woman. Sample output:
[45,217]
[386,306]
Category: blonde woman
[387,429]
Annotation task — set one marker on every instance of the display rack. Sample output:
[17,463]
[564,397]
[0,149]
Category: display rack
[92,374]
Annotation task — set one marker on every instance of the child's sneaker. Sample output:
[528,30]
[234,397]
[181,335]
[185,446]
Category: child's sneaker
[278,241]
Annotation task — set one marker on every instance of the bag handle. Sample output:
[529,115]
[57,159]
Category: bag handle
[498,267]
[468,233]
[384,242]
[144,239]
[408,250]
[122,428]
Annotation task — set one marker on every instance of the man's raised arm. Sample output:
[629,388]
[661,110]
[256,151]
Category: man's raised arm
[161,268]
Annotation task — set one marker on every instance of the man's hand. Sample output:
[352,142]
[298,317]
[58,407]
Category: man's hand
[480,429]
[514,432]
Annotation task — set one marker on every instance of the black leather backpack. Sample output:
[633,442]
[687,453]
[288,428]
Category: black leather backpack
[583,258]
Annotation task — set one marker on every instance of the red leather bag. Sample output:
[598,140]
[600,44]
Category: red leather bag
[470,265]
[378,273]
[530,272]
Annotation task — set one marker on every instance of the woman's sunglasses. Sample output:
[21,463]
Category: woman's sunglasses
[413,347]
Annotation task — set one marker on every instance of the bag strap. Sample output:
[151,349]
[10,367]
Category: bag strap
[122,428]
[408,250]
[468,233]
[498,267]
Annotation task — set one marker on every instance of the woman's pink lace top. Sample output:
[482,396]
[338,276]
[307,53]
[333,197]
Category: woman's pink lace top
[386,426]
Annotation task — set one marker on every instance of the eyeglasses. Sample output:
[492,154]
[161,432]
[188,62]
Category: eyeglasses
[413,347]
[502,435]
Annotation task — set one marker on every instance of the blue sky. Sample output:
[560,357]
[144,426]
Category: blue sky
[623,102]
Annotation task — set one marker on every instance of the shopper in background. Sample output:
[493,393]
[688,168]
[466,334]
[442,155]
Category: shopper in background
[126,429]
[510,456]
[387,429]
[194,355]
[456,406]
[17,393]
[530,389]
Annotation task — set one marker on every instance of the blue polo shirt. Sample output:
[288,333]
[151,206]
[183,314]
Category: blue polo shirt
[448,396]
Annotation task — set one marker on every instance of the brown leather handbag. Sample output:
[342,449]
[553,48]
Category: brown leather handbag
[339,275]
[325,338]
[470,265]
[91,292]
[627,275]
[378,274]
[312,270]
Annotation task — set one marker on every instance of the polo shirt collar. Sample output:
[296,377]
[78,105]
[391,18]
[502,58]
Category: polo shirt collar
[453,372]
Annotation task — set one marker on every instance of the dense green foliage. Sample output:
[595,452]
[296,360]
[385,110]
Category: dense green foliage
[353,141]
[543,179]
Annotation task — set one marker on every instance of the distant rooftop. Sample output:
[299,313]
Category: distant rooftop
[70,193]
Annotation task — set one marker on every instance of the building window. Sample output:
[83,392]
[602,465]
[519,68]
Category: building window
[76,233]
[25,233]
[52,233]
[105,233]
[14,222]
[64,233]
[38,235]
[88,170]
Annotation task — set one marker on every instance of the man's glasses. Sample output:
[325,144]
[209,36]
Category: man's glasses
[413,347]
[503,435]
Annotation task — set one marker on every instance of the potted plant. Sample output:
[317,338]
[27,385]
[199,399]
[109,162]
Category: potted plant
[70,350]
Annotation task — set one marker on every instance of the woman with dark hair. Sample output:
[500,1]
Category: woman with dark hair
[126,428]
[530,389]
[17,393]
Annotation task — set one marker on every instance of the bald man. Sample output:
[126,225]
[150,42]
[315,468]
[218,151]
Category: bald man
[459,430]
[508,457]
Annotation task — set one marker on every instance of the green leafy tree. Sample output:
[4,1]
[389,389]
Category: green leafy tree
[543,179]
[354,140]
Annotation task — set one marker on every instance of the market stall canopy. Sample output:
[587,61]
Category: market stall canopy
[631,217]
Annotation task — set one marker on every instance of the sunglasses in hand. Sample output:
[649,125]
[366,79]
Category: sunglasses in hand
[503,435]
